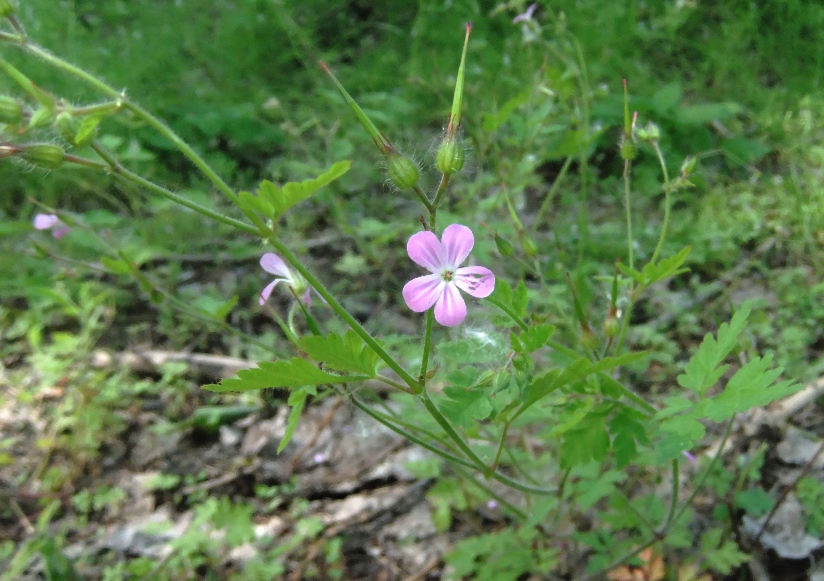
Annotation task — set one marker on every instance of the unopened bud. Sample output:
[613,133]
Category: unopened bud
[628,149]
[11,112]
[450,156]
[44,155]
[7,8]
[529,246]
[504,247]
[649,133]
[77,134]
[689,165]
[611,326]
[403,172]
[589,339]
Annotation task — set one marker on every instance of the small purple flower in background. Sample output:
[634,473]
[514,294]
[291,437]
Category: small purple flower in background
[526,15]
[689,456]
[274,264]
[492,504]
[51,222]
[319,458]
[442,258]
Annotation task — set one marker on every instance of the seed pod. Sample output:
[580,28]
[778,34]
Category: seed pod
[529,246]
[11,112]
[611,326]
[403,172]
[450,156]
[44,155]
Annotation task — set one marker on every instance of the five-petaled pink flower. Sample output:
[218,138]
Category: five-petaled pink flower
[274,264]
[51,222]
[442,258]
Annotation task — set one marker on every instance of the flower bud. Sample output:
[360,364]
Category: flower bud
[628,149]
[77,134]
[11,112]
[403,172]
[529,246]
[7,8]
[66,126]
[611,326]
[689,165]
[44,155]
[649,133]
[450,156]
[504,247]
[589,339]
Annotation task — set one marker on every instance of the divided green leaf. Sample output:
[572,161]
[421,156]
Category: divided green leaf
[294,372]
[282,199]
[345,352]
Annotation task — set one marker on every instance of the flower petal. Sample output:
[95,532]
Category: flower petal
[264,294]
[45,221]
[422,292]
[450,310]
[458,241]
[426,250]
[307,297]
[60,230]
[477,281]
[273,264]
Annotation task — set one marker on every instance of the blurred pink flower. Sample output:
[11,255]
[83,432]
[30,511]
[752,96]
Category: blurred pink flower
[274,264]
[51,222]
[525,15]
[442,258]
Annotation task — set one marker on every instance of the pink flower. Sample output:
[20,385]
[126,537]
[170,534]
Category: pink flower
[440,288]
[51,222]
[526,15]
[274,264]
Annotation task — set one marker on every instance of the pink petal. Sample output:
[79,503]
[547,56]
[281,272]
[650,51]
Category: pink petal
[273,264]
[450,310]
[264,294]
[45,221]
[307,297]
[477,281]
[457,242]
[60,230]
[426,250]
[422,292]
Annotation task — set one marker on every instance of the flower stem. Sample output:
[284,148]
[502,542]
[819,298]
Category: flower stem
[667,202]
[427,347]
[344,314]
[628,209]
[676,483]
[139,112]
[114,166]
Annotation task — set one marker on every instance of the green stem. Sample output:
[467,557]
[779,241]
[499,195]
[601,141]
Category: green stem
[117,169]
[619,561]
[521,515]
[478,464]
[501,443]
[409,436]
[344,314]
[439,194]
[667,202]
[151,120]
[676,483]
[427,347]
[628,209]
[510,312]
[539,216]
[424,200]
[703,478]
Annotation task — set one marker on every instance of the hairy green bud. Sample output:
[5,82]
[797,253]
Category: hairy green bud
[11,112]
[589,339]
[504,247]
[649,133]
[529,246]
[611,326]
[403,172]
[628,149]
[44,155]
[7,8]
[450,156]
